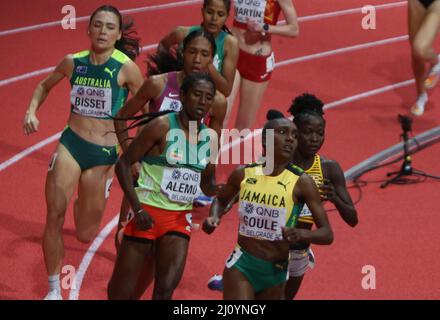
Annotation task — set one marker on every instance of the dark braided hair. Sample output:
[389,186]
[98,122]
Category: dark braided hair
[304,106]
[129,42]
[164,62]
[188,82]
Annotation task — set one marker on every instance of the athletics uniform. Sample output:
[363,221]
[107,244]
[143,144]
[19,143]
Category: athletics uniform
[168,184]
[301,255]
[169,99]
[265,206]
[426,3]
[252,67]
[95,93]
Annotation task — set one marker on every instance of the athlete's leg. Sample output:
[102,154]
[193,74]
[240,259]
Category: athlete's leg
[146,276]
[62,178]
[251,96]
[423,28]
[292,287]
[171,252]
[232,98]
[123,215]
[236,286]
[128,266]
[93,191]
[273,293]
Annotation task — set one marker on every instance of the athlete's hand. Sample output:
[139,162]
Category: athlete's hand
[143,220]
[30,123]
[254,26]
[210,224]
[294,235]
[135,169]
[327,191]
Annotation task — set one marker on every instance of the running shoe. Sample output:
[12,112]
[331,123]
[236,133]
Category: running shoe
[216,283]
[433,76]
[54,295]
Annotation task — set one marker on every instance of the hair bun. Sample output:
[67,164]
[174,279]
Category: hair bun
[274,114]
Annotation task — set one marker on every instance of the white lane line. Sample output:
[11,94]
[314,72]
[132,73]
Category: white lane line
[341,50]
[278,64]
[257,132]
[28,151]
[47,70]
[151,46]
[351,11]
[284,63]
[86,18]
[88,257]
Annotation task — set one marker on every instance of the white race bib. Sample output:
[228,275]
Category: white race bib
[270,63]
[91,101]
[181,185]
[170,104]
[246,10]
[260,221]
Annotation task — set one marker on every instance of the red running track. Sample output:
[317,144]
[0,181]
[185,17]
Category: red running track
[397,231]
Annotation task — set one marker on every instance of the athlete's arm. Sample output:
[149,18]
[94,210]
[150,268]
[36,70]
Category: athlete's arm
[290,29]
[218,112]
[306,189]
[225,195]
[151,135]
[175,37]
[63,69]
[207,184]
[334,189]
[131,76]
[224,81]
[150,89]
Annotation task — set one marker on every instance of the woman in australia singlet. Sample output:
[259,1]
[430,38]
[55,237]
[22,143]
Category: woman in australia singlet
[223,67]
[255,21]
[307,112]
[269,204]
[100,79]
[169,180]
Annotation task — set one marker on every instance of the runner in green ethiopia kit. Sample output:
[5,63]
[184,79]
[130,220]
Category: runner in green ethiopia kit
[174,150]
[100,79]
[223,67]
[269,205]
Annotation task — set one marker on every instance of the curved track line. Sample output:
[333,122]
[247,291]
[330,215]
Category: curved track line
[28,151]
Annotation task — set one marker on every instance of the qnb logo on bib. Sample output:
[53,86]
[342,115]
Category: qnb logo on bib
[262,222]
[181,185]
[246,10]
[91,101]
[170,104]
